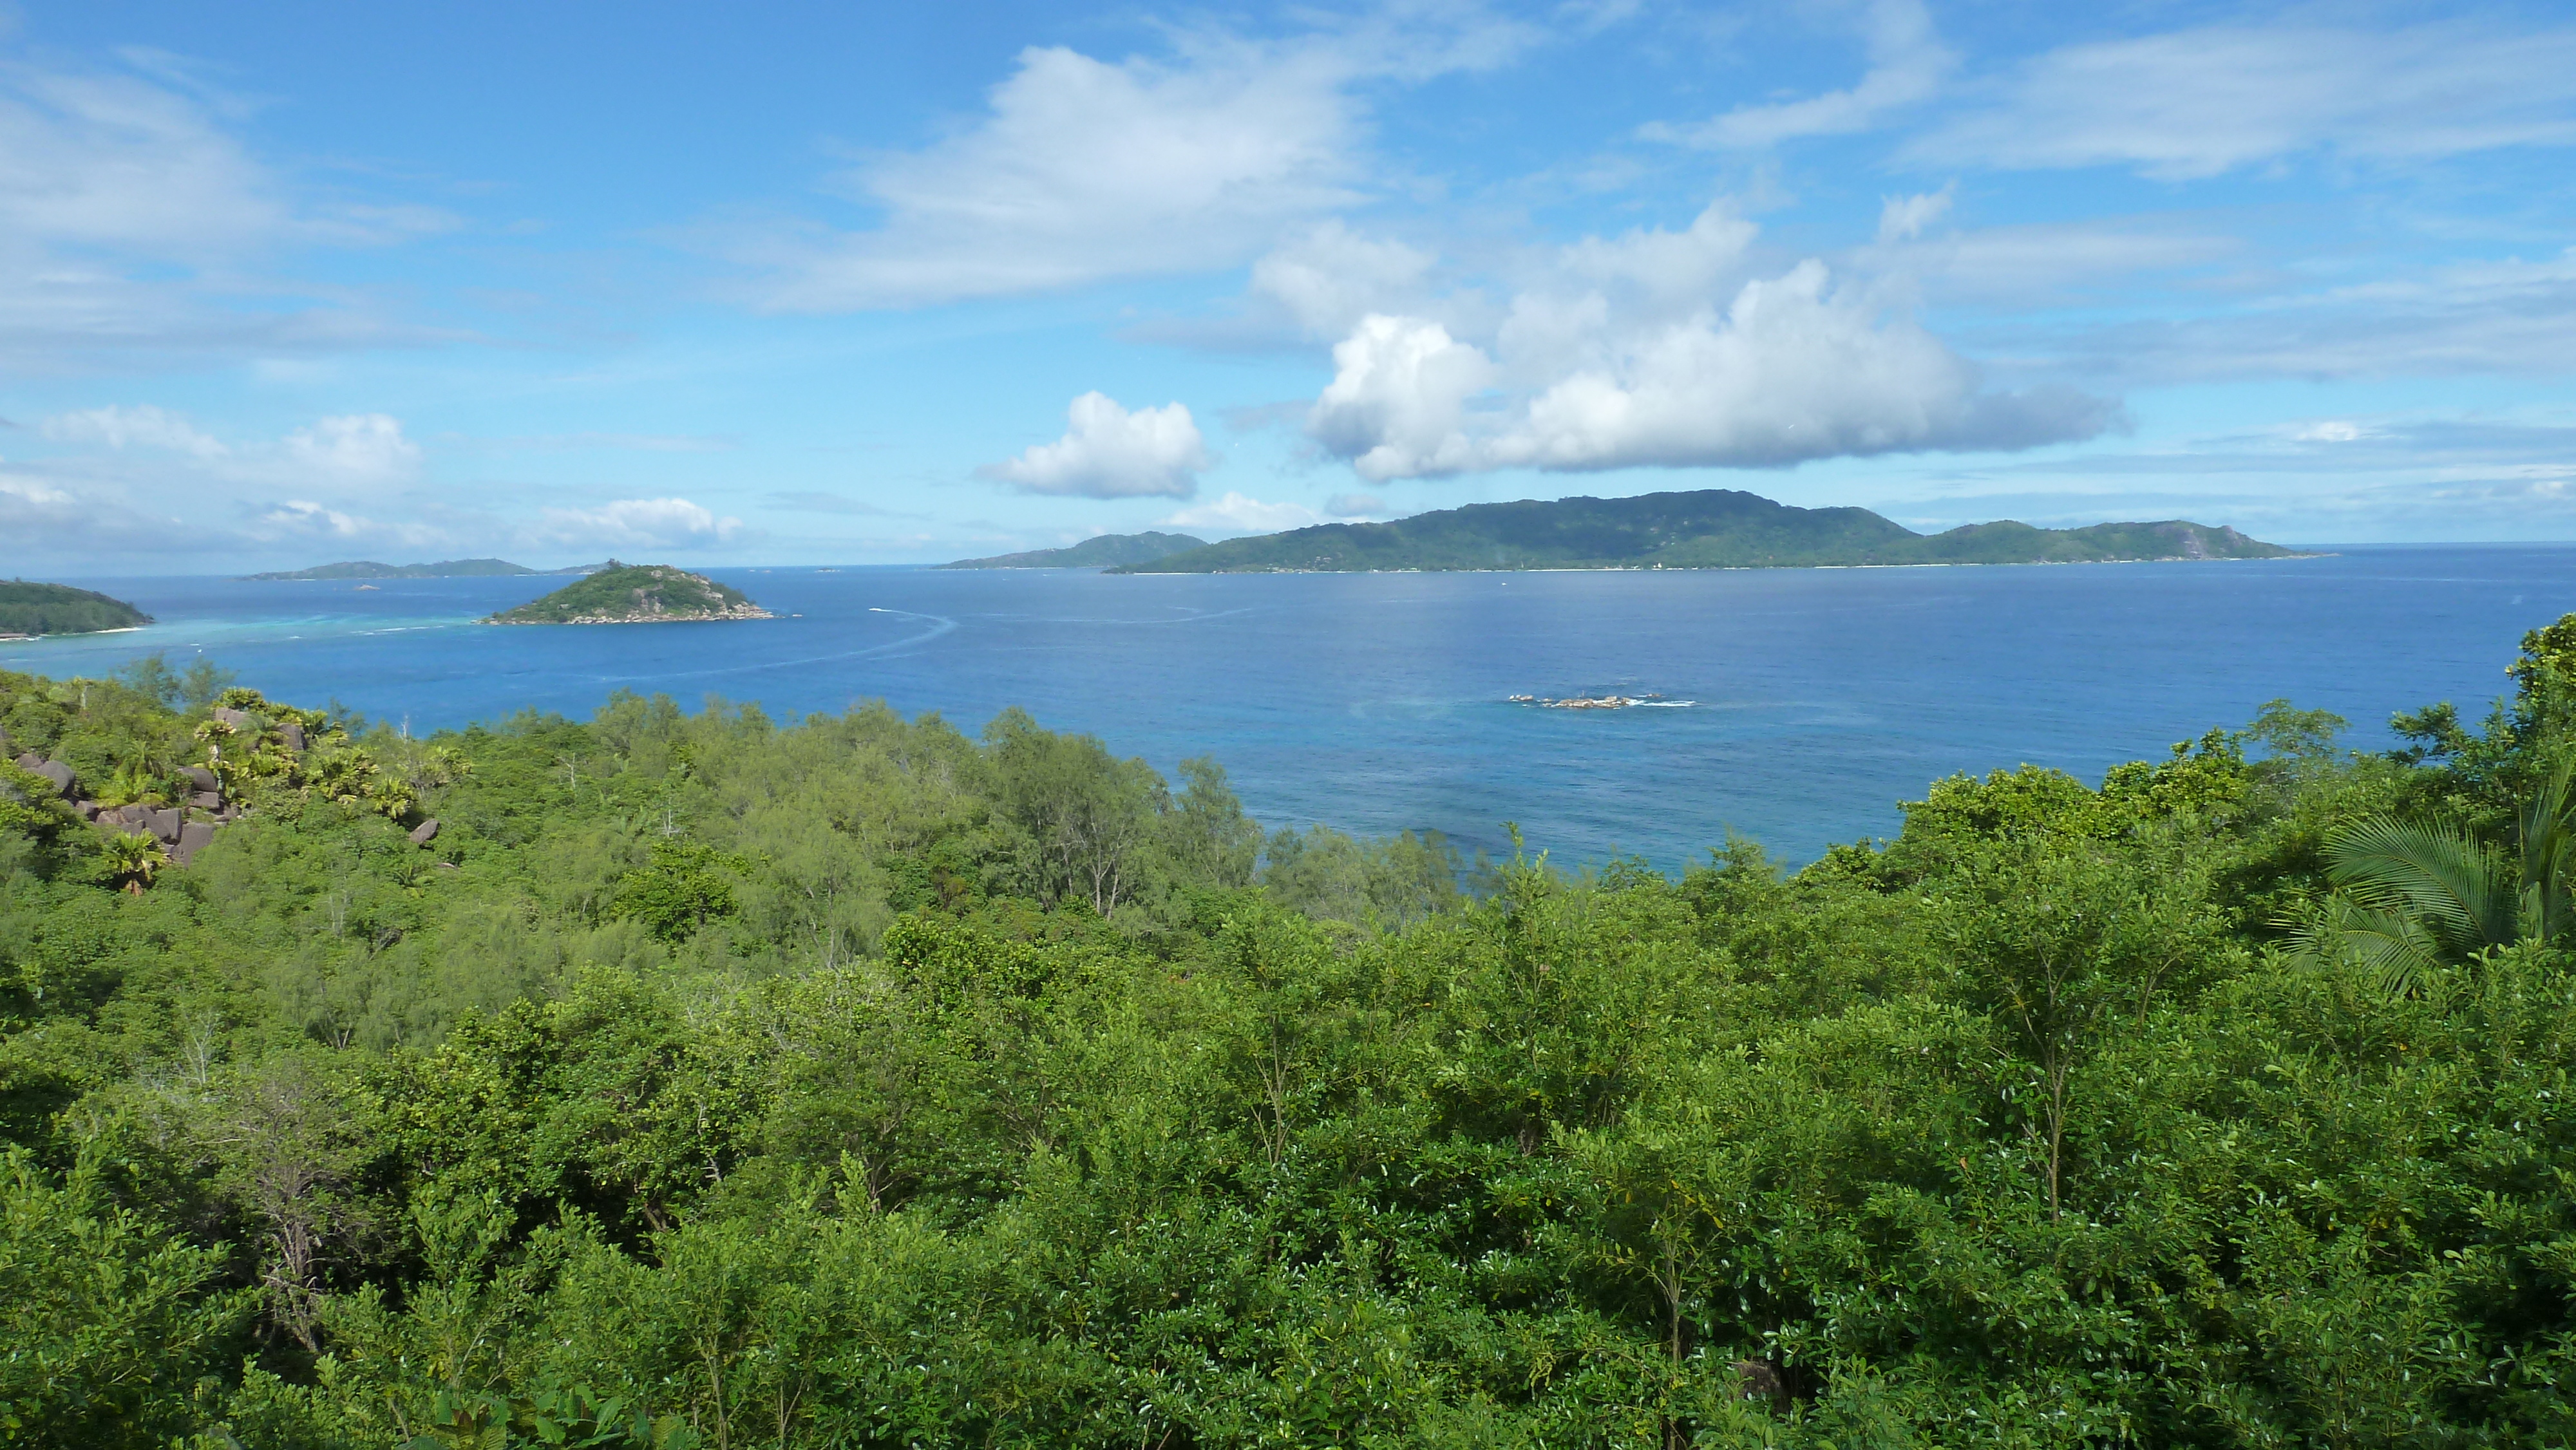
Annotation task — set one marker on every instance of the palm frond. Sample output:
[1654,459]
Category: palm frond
[2549,854]
[2434,873]
[2397,951]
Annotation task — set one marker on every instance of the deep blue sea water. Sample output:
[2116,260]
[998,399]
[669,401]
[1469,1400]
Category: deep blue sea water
[1376,702]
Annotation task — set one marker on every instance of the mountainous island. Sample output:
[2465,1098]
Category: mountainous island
[635,594]
[1714,528]
[1092,553]
[443,569]
[28,610]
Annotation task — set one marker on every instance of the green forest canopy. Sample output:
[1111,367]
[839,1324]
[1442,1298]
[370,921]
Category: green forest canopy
[1706,529]
[30,608]
[715,1080]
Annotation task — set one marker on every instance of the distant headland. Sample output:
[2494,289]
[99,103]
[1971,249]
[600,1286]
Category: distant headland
[635,594]
[443,569]
[29,609]
[1099,551]
[1714,528]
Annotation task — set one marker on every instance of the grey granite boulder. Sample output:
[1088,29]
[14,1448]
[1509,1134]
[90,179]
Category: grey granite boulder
[294,736]
[238,719]
[206,800]
[57,772]
[425,832]
[164,824]
[193,837]
[200,777]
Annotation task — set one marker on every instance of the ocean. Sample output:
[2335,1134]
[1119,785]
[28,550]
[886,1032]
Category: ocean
[1798,705]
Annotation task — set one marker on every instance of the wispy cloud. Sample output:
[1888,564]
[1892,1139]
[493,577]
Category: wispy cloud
[2196,103]
[135,221]
[1907,65]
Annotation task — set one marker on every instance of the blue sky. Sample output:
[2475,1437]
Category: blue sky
[290,283]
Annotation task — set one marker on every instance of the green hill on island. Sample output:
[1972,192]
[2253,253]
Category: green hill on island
[443,569]
[1709,529]
[32,609]
[635,594]
[1092,553]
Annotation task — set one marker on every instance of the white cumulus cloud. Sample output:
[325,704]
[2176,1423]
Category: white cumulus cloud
[631,523]
[1329,279]
[1087,169]
[1109,452]
[1657,349]
[1397,404]
[1241,514]
[1083,169]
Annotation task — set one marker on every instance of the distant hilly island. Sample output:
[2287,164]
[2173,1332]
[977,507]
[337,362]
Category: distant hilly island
[635,594]
[443,569]
[1092,553]
[1707,529]
[29,609]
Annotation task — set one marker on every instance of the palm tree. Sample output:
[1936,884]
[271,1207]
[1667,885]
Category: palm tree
[131,861]
[2413,896]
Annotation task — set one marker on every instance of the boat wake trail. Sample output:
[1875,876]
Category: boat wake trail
[939,624]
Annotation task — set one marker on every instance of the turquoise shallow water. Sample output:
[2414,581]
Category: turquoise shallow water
[1820,697]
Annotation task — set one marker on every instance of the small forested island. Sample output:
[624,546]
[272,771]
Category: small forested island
[1095,552]
[672,1081]
[1708,529]
[30,609]
[635,594]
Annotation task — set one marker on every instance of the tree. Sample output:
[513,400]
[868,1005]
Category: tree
[129,862]
[152,678]
[105,1320]
[2050,939]
[288,1151]
[1087,814]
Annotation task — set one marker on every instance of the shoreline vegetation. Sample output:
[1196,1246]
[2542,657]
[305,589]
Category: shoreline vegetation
[1706,529]
[30,610]
[636,594]
[672,1081]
